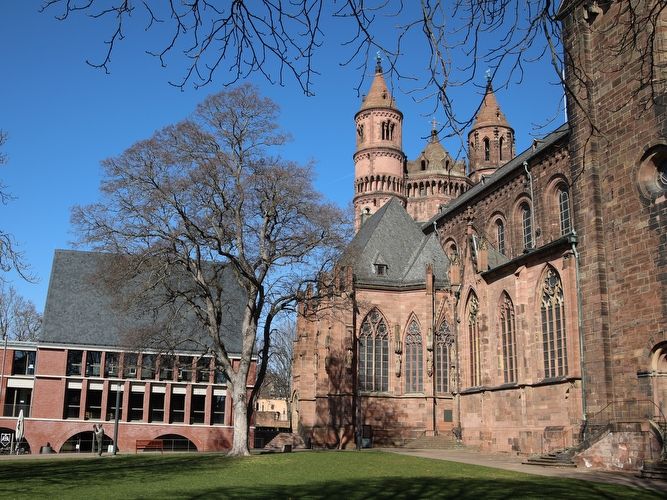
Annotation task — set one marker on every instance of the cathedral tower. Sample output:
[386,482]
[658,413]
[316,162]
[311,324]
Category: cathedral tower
[491,139]
[378,160]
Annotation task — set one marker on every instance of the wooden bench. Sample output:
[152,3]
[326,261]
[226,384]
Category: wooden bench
[149,444]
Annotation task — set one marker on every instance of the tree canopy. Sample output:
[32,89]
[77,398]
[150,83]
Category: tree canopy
[205,196]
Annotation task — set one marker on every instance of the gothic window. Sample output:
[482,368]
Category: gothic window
[444,339]
[373,353]
[527,225]
[474,340]
[564,210]
[423,164]
[500,236]
[508,338]
[553,325]
[360,132]
[501,142]
[414,379]
[487,149]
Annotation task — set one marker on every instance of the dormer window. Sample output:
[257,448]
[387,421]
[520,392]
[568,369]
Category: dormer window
[381,269]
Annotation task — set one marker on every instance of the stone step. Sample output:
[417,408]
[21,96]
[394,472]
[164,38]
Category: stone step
[551,460]
[440,442]
[654,470]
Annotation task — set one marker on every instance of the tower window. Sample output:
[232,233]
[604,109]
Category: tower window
[501,142]
[487,149]
[423,164]
[387,130]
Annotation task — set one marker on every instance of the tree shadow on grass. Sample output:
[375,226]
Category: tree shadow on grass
[424,487]
[62,473]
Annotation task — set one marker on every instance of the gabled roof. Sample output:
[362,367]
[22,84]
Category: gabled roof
[82,309]
[391,237]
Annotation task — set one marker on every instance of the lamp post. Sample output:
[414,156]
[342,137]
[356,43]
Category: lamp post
[116,419]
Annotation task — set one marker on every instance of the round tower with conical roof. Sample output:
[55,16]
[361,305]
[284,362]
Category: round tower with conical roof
[379,160]
[491,139]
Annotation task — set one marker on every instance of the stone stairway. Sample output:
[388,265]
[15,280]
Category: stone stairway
[439,442]
[654,470]
[561,458]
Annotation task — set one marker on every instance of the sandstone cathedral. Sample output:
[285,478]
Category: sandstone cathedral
[519,302]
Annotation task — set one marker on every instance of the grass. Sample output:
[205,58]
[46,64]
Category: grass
[347,475]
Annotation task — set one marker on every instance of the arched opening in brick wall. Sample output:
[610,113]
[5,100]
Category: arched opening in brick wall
[83,442]
[658,373]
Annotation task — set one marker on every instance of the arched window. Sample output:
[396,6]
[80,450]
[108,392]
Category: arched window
[387,130]
[500,236]
[373,353]
[564,210]
[487,149]
[444,339]
[553,325]
[501,143]
[527,224]
[474,341]
[414,379]
[508,338]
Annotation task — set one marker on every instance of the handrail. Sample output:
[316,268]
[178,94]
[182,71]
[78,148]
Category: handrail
[627,410]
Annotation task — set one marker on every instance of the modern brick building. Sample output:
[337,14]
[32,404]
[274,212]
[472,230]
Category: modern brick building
[70,379]
[519,302]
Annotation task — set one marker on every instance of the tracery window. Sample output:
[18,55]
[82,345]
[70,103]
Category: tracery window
[508,338]
[414,378]
[373,353]
[553,325]
[444,340]
[474,341]
[527,224]
[500,236]
[564,210]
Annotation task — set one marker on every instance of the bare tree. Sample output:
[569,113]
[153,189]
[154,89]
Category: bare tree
[10,256]
[203,197]
[280,40]
[19,319]
[279,365]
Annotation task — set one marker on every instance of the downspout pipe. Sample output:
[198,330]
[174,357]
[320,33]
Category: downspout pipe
[580,324]
[526,167]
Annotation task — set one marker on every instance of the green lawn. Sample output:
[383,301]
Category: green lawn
[346,475]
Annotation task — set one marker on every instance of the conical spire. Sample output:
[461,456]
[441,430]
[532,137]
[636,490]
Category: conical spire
[489,113]
[378,95]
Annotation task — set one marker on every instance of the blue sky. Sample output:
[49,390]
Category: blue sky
[63,117]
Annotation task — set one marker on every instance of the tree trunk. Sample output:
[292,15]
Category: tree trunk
[239,402]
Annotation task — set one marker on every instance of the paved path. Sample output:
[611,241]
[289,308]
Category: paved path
[513,463]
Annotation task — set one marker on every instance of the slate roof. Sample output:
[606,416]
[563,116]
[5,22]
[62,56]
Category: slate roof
[391,237]
[82,309]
